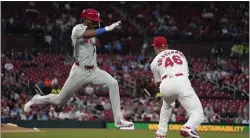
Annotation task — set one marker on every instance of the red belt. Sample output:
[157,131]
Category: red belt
[86,67]
[177,74]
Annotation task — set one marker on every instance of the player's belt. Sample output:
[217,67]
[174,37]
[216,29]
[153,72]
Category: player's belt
[86,67]
[177,74]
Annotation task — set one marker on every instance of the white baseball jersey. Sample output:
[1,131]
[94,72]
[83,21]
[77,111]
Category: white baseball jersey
[169,62]
[84,49]
[85,54]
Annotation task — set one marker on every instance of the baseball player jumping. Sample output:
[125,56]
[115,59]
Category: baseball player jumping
[170,70]
[85,68]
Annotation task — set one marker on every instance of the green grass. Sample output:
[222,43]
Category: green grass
[111,133]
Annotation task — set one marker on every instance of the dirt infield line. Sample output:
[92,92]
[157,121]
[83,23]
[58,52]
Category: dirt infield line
[13,128]
[21,131]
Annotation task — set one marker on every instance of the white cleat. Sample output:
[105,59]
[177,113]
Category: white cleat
[123,123]
[188,132]
[28,105]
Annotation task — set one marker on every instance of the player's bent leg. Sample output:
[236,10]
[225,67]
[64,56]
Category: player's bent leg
[167,88]
[114,95]
[194,109]
[192,105]
[71,86]
[103,78]
[165,114]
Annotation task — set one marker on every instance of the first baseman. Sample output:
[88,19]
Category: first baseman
[170,70]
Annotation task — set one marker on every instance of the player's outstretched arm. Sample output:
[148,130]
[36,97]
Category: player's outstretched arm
[89,33]
[93,33]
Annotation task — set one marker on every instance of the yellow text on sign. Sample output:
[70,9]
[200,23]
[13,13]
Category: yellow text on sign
[204,128]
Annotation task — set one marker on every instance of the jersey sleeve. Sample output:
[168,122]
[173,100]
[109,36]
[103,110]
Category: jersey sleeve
[155,73]
[78,31]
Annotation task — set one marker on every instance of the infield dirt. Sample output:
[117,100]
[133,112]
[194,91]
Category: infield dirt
[12,128]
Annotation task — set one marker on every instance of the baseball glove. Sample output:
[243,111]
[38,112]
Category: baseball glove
[143,82]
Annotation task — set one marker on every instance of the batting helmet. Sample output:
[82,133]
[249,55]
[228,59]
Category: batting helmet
[91,14]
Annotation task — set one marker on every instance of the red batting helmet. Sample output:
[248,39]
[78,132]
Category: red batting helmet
[91,14]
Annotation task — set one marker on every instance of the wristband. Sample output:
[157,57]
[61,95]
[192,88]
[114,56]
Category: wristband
[100,31]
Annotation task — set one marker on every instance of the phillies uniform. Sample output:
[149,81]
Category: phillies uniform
[85,70]
[171,69]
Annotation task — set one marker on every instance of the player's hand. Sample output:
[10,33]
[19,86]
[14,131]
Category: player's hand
[112,26]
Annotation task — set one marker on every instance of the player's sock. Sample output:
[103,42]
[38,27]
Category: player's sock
[115,100]
[45,99]
[165,114]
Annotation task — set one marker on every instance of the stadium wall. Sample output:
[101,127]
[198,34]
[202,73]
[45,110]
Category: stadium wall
[103,124]
[202,128]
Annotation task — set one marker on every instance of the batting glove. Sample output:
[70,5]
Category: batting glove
[112,26]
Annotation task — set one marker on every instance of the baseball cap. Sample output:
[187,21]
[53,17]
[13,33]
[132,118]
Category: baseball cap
[160,41]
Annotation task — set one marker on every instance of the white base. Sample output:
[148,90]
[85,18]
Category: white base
[127,128]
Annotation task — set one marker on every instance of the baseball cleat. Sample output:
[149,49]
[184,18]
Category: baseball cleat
[123,123]
[188,132]
[159,136]
[29,105]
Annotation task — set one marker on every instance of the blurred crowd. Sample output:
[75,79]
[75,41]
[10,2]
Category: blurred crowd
[191,18]
[52,22]
[92,102]
[223,70]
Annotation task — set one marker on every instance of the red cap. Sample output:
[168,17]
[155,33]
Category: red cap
[91,14]
[160,41]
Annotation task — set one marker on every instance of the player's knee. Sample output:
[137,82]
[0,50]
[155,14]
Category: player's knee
[58,101]
[202,117]
[113,82]
[198,114]
[168,106]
